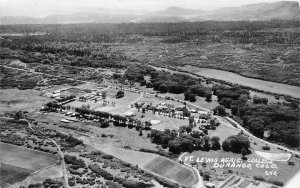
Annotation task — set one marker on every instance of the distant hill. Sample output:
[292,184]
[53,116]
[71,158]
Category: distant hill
[262,11]
[283,10]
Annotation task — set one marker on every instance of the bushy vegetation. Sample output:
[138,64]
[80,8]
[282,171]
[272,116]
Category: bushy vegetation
[236,143]
[101,172]
[169,139]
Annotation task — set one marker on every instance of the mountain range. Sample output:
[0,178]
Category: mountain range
[284,10]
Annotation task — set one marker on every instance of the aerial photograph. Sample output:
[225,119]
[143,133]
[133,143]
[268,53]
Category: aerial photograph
[149,94]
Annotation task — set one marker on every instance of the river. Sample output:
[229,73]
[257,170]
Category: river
[267,86]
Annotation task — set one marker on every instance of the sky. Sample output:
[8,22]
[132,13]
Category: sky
[42,8]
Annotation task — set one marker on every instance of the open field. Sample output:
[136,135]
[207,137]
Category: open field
[121,136]
[52,172]
[11,174]
[17,163]
[120,106]
[166,121]
[134,157]
[223,132]
[156,164]
[26,158]
[15,99]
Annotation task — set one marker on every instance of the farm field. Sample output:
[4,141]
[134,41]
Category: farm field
[11,174]
[18,163]
[172,170]
[251,82]
[156,164]
[26,158]
[52,172]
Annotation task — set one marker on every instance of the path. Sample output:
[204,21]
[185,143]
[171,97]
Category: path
[61,157]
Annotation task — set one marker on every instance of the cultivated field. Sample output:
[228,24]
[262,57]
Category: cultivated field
[53,172]
[11,174]
[172,170]
[17,162]
[156,164]
[26,158]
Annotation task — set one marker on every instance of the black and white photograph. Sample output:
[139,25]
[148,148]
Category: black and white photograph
[149,94]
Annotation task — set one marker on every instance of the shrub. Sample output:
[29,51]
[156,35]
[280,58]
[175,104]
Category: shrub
[135,184]
[265,147]
[100,172]
[276,182]
[106,156]
[259,178]
[112,184]
[291,163]
[206,176]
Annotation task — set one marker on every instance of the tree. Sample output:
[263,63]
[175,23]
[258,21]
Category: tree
[219,110]
[208,96]
[19,115]
[234,110]
[244,153]
[256,126]
[196,134]
[192,97]
[187,94]
[186,112]
[215,143]
[120,94]
[104,124]
[226,145]
[236,143]
[207,143]
[163,88]
[175,146]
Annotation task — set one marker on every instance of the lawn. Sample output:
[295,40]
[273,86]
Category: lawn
[121,105]
[166,121]
[223,132]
